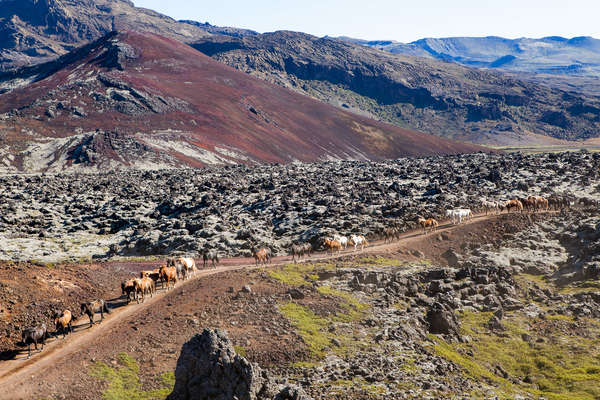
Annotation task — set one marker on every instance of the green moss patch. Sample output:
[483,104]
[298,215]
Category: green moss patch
[124,382]
[552,358]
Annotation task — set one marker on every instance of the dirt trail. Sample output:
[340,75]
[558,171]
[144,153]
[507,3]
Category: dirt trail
[16,371]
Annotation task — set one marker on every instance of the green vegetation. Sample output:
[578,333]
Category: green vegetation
[340,386]
[297,274]
[240,350]
[561,365]
[381,261]
[124,382]
[306,273]
[310,326]
[314,328]
[539,280]
[354,310]
[589,285]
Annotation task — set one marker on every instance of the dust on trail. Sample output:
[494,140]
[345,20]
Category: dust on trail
[17,371]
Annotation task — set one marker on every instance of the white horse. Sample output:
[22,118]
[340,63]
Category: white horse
[492,206]
[188,264]
[459,214]
[342,239]
[358,240]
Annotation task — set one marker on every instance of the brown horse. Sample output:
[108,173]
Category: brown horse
[152,274]
[62,321]
[128,288]
[261,256]
[541,203]
[143,286]
[92,307]
[516,204]
[428,223]
[528,203]
[332,245]
[34,335]
[168,274]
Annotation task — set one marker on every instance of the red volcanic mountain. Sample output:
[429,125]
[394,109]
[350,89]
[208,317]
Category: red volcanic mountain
[142,100]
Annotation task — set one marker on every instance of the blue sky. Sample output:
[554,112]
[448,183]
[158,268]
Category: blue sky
[398,20]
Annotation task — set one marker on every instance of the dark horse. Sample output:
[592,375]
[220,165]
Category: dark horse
[299,250]
[92,307]
[34,335]
[210,255]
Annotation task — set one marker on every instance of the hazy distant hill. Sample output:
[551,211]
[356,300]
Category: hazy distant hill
[551,55]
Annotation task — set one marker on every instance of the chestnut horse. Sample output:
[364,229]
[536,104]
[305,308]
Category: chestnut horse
[152,274]
[332,245]
[62,321]
[143,286]
[510,204]
[168,274]
[428,223]
[261,256]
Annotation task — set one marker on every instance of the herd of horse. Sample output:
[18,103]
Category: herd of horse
[135,288]
[182,268]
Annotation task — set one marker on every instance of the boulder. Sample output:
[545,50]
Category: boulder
[209,368]
[442,320]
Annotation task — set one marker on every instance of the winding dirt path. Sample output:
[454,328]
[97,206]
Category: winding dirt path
[17,371]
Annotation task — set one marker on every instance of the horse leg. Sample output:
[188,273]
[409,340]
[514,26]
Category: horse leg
[28,350]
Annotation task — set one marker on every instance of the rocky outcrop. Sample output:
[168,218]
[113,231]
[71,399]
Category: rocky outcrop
[33,31]
[209,368]
[442,320]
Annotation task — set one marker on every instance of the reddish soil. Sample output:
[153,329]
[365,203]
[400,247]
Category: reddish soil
[226,108]
[154,332]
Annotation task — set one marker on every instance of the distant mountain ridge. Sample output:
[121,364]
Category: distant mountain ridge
[548,55]
[446,99]
[425,94]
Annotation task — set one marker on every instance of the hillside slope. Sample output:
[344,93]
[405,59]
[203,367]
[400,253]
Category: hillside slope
[443,98]
[139,99]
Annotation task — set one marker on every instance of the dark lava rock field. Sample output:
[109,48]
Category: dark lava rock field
[58,217]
